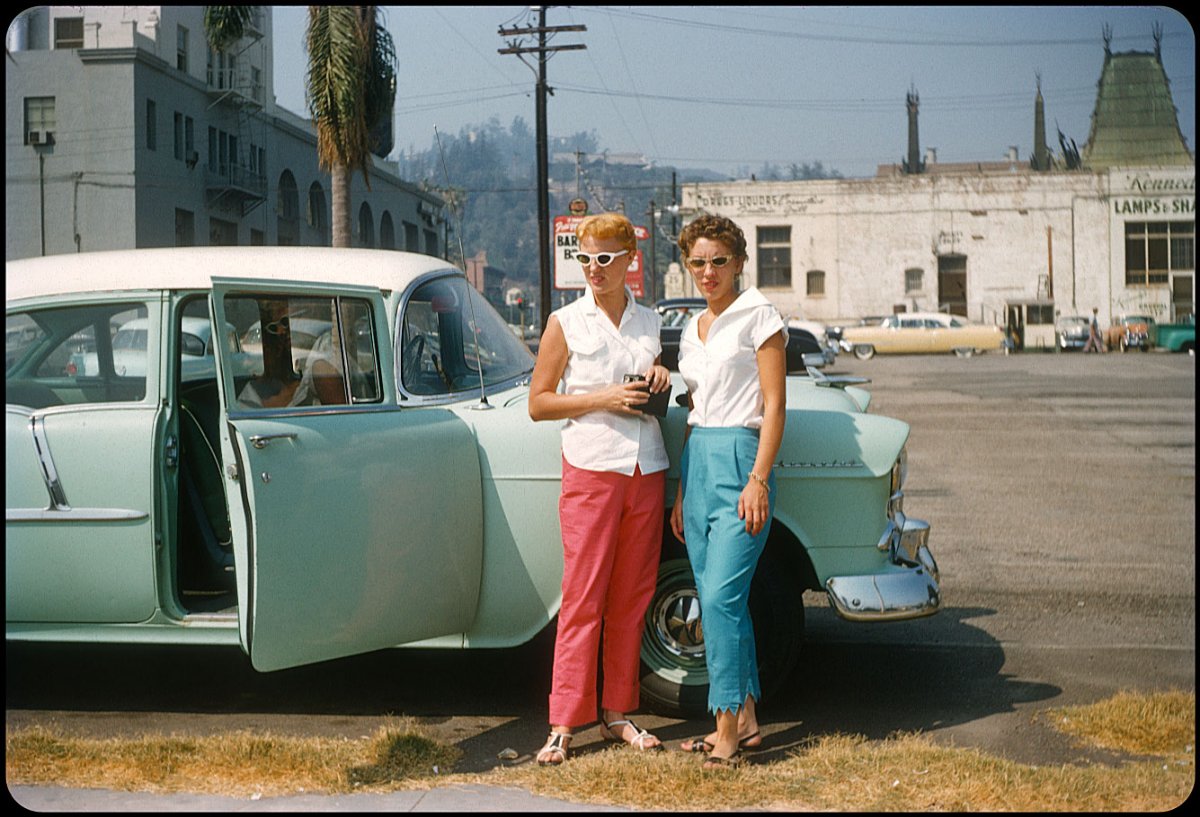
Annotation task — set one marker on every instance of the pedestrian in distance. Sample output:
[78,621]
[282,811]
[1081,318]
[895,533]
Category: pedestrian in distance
[1094,342]
[733,358]
[613,477]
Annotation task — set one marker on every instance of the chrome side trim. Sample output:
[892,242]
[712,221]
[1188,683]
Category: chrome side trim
[41,446]
[73,515]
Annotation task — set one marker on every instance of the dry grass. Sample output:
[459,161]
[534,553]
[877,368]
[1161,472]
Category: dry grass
[1160,724]
[838,772]
[236,764]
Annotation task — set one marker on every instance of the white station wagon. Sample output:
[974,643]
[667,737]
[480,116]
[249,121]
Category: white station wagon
[391,491]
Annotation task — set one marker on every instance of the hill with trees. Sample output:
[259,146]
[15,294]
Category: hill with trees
[492,189]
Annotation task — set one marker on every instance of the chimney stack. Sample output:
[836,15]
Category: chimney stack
[913,163]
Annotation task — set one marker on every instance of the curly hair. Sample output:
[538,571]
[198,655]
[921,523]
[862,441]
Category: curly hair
[608,225]
[716,228]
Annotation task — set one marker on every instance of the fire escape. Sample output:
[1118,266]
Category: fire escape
[235,176]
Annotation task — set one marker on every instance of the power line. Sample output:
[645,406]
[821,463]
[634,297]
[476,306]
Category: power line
[924,43]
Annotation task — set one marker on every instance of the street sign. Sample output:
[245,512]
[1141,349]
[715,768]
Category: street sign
[568,273]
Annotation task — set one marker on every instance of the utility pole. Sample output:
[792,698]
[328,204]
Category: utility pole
[653,277]
[514,47]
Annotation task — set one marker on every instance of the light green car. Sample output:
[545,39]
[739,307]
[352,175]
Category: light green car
[392,491]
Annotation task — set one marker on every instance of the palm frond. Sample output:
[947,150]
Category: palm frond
[225,25]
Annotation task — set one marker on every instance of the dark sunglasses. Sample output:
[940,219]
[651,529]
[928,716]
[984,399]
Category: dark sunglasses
[279,327]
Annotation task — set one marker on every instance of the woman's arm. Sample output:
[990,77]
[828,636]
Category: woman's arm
[677,508]
[545,403]
[772,377]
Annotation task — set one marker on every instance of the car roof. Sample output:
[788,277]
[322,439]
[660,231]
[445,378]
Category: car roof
[194,268]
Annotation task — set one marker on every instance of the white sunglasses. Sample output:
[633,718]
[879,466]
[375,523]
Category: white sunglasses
[602,259]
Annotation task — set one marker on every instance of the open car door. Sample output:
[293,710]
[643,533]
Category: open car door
[357,524]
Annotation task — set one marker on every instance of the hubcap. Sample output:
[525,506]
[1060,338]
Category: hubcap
[677,623]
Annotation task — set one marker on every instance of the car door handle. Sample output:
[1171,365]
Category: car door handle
[262,440]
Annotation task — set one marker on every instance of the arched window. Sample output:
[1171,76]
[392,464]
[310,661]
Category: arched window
[287,211]
[366,228]
[815,282]
[387,232]
[318,214]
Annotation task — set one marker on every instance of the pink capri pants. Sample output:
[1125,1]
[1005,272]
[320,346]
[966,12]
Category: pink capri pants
[612,535]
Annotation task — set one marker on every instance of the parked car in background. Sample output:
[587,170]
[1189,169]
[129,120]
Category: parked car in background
[1179,336]
[128,350]
[829,348]
[1130,332]
[923,333]
[411,505]
[803,348]
[1071,332]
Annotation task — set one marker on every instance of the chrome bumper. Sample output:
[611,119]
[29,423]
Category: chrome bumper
[909,589]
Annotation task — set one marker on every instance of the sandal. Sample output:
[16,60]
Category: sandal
[639,740]
[702,744]
[715,762]
[556,751]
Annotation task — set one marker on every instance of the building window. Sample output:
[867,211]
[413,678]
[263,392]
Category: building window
[185,228]
[178,132]
[189,137]
[181,48]
[410,237]
[1039,314]
[775,256]
[431,243]
[212,148]
[913,279]
[815,282]
[1154,249]
[151,125]
[68,32]
[39,116]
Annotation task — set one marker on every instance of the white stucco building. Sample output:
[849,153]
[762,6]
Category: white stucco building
[1010,243]
[124,129]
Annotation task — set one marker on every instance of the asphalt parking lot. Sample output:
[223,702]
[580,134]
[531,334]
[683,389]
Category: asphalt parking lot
[1061,493]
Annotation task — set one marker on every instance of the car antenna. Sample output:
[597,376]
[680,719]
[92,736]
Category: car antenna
[483,404]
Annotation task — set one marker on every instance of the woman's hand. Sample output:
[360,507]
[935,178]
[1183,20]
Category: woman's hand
[621,397]
[677,515]
[658,377]
[754,506]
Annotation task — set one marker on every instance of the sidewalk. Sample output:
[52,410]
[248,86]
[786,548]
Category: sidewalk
[444,798]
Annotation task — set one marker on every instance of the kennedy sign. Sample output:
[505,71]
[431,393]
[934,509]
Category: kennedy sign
[568,273]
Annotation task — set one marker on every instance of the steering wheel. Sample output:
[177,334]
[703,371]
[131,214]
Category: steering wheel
[411,357]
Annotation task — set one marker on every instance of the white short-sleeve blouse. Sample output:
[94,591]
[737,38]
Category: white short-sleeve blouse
[722,373]
[599,355]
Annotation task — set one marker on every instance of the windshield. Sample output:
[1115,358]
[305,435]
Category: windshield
[449,334]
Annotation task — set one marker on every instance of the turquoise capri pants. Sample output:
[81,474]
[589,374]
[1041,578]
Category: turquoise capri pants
[715,467]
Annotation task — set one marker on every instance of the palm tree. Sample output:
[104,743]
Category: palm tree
[351,88]
[225,25]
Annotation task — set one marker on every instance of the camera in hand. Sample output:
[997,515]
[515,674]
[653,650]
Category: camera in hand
[657,404]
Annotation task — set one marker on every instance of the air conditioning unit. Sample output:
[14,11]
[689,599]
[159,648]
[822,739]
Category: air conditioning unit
[41,137]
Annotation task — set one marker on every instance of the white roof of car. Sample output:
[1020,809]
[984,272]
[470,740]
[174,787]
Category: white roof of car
[194,267]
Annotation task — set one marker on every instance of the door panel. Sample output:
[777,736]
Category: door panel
[366,532]
[356,526]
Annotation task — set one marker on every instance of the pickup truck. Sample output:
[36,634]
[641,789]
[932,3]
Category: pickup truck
[1178,337]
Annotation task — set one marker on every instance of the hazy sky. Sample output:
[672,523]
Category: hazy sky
[727,87]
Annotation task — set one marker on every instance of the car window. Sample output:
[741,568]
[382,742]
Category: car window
[69,355]
[295,350]
[890,322]
[20,335]
[451,339]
